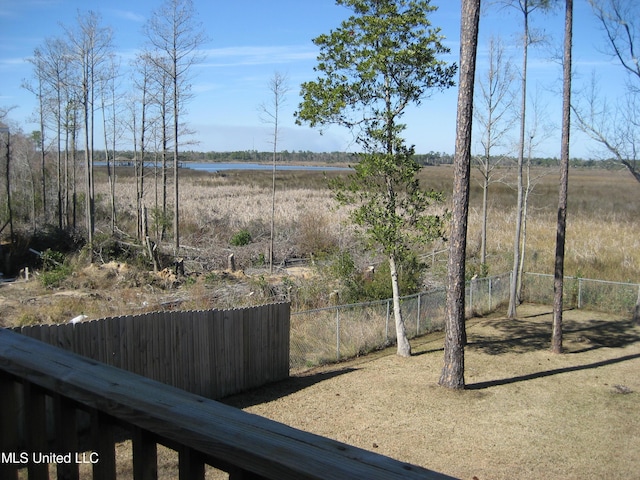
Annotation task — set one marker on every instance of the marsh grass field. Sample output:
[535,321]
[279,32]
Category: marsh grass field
[602,241]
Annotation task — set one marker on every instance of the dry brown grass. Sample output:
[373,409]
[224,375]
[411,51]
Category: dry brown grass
[602,239]
[527,413]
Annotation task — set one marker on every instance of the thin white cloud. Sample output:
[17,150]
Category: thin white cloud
[129,15]
[204,87]
[10,62]
[257,55]
[13,9]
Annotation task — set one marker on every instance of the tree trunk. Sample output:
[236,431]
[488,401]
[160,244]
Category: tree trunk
[59,157]
[74,171]
[43,169]
[404,347]
[8,181]
[514,294]
[523,227]
[485,207]
[110,164]
[558,280]
[176,196]
[164,166]
[455,335]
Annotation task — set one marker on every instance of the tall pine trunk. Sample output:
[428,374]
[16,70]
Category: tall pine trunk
[452,375]
[558,280]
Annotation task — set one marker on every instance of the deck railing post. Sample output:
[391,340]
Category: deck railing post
[191,465]
[103,440]
[9,424]
[66,427]
[145,455]
[35,417]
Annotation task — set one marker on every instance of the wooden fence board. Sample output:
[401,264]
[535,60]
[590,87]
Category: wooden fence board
[213,353]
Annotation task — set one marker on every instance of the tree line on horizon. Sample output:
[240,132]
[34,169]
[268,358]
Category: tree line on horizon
[345,158]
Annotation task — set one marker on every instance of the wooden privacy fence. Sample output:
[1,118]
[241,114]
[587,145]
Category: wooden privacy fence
[212,353]
[203,431]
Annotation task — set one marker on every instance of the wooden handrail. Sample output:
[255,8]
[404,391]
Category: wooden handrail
[202,430]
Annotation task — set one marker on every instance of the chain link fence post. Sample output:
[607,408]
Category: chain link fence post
[337,334]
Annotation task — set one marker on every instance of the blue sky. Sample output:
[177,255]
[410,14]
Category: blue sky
[251,39]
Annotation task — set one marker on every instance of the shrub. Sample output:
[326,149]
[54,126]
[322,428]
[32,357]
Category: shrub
[379,286]
[315,236]
[241,238]
[357,286]
[54,269]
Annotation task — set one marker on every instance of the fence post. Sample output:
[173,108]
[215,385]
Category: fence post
[337,333]
[579,293]
[386,325]
[490,300]
[418,316]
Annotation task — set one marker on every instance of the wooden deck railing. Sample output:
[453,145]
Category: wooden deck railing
[202,431]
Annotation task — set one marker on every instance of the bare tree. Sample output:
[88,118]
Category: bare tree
[558,278]
[159,125]
[616,127]
[71,128]
[452,375]
[108,106]
[58,52]
[173,31]
[493,112]
[537,132]
[5,130]
[526,7]
[21,182]
[51,68]
[90,46]
[40,90]
[139,127]
[270,113]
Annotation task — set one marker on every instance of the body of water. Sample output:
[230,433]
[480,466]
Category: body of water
[217,167]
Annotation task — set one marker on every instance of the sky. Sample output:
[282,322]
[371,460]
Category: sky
[250,40]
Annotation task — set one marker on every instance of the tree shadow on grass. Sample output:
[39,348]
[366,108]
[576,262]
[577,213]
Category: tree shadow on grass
[548,373]
[280,389]
[522,335]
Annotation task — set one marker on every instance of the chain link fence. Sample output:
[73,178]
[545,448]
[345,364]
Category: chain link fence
[584,293]
[331,334]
